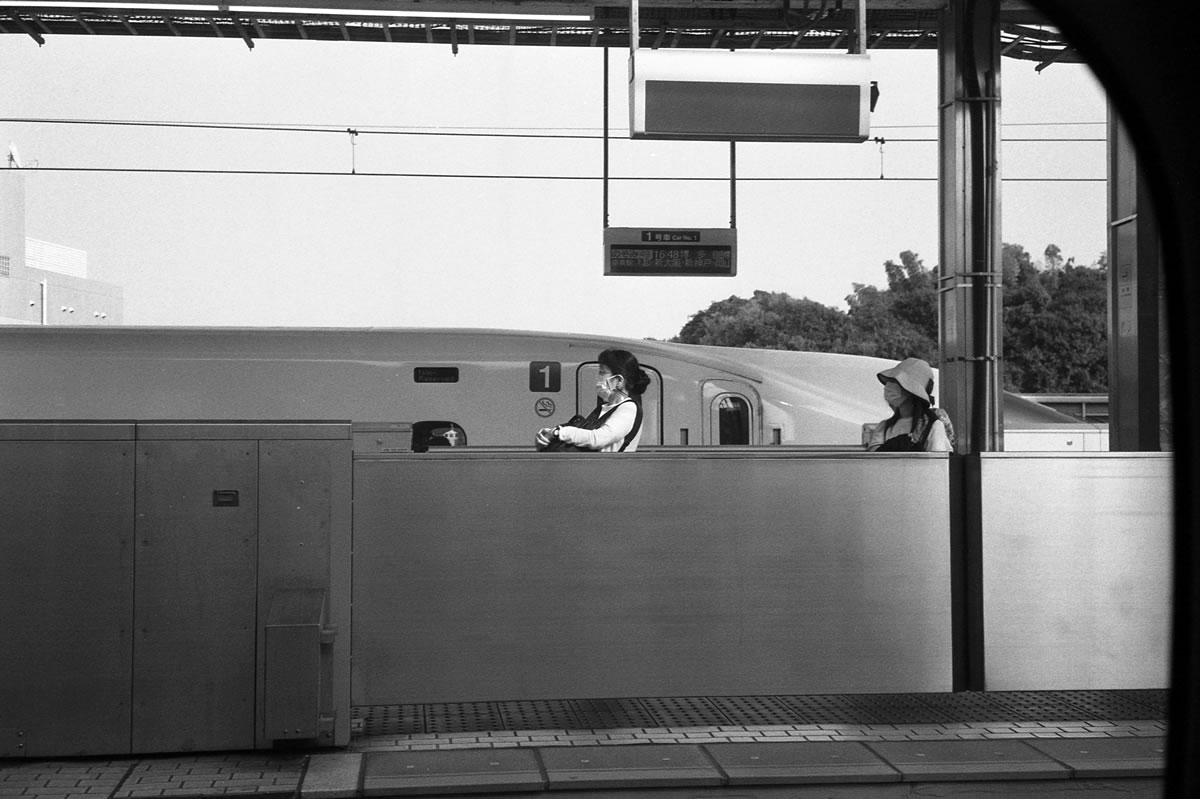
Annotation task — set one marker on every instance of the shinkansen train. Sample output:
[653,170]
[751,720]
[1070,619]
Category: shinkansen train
[463,387]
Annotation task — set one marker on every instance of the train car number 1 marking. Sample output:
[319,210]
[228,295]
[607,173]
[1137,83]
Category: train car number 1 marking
[545,376]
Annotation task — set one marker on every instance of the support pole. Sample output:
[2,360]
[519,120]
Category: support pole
[1138,374]
[605,181]
[634,33]
[860,45]
[970,275]
[732,185]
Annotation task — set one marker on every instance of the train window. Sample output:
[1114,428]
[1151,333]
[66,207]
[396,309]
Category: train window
[437,434]
[733,414]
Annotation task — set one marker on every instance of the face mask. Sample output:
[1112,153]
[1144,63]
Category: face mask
[604,387]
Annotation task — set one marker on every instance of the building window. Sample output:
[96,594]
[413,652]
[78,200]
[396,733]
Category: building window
[4,266]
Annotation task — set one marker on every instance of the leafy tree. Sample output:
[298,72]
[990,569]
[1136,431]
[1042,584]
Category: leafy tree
[1055,320]
[901,321]
[771,320]
[1056,330]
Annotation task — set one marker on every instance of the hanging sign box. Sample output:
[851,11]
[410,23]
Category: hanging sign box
[670,251]
[749,95]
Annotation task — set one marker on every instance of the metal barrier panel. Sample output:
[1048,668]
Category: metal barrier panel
[1076,559]
[66,589]
[194,608]
[304,549]
[525,576]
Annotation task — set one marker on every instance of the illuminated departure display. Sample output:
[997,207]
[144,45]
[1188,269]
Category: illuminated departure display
[667,252]
[435,374]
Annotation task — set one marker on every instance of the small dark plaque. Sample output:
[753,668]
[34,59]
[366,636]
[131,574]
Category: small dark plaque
[435,374]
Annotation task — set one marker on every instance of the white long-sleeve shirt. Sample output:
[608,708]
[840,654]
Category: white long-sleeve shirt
[608,436]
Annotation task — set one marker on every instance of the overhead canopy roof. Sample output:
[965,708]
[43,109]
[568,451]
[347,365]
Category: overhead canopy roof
[720,24]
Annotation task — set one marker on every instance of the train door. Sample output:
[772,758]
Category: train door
[731,412]
[652,410]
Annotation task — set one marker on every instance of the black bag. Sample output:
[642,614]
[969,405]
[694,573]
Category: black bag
[558,445]
[593,420]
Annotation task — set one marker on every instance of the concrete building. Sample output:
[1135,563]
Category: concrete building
[45,283]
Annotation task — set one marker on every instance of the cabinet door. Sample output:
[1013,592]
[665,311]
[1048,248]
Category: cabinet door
[194,605]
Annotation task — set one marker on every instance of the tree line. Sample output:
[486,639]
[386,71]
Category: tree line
[1055,321]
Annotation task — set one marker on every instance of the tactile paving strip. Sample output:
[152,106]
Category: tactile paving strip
[968,706]
[905,709]
[1154,699]
[611,714]
[685,712]
[1042,706]
[845,709]
[539,715]
[389,719]
[753,710]
[895,709]
[463,717]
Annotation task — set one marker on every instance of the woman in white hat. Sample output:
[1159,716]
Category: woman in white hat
[915,425]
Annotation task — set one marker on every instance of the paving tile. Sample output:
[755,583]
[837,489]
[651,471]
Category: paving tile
[451,771]
[266,776]
[1108,757]
[968,760]
[797,762]
[57,779]
[332,776]
[618,767]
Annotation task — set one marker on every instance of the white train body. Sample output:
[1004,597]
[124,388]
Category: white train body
[496,387]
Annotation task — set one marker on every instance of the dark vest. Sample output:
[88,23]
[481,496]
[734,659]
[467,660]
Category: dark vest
[905,443]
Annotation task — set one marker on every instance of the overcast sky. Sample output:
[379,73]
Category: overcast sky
[500,247]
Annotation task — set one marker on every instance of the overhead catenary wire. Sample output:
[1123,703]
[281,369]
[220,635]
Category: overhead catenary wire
[491,133]
[478,132]
[483,176]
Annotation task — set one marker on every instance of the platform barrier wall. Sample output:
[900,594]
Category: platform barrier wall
[526,576]
[140,565]
[66,591]
[1076,564]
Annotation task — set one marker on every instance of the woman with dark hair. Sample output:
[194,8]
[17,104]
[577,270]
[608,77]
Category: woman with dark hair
[915,425]
[615,425]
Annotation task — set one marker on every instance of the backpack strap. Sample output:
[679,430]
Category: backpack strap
[930,417]
[637,425]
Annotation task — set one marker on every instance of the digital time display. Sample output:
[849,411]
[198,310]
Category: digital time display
[664,259]
[665,252]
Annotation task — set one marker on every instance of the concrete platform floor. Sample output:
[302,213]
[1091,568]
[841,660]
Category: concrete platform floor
[972,744]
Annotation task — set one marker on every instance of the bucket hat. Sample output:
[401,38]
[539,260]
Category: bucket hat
[914,375]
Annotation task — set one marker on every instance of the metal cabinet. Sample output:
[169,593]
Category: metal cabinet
[170,587]
[194,613]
